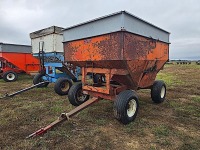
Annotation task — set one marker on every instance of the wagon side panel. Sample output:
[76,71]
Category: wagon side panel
[145,57]
[102,51]
[25,62]
[32,65]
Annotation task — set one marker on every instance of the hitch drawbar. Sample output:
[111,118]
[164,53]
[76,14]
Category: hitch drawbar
[63,117]
[23,90]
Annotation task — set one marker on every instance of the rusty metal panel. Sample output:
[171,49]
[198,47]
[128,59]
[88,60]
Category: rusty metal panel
[115,22]
[142,57]
[95,50]
[142,48]
[145,57]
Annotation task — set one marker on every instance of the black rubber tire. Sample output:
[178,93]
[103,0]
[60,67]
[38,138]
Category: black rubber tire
[97,78]
[74,92]
[7,76]
[62,86]
[122,105]
[158,91]
[37,79]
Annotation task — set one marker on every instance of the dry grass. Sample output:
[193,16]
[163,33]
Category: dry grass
[174,124]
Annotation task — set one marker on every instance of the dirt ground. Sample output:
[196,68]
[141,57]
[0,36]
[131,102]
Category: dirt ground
[173,124]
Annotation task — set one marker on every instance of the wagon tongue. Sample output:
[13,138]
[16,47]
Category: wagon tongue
[23,90]
[41,131]
[38,132]
[63,117]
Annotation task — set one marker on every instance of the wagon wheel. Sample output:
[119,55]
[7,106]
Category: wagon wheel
[98,78]
[62,86]
[10,76]
[158,91]
[126,106]
[38,78]
[76,96]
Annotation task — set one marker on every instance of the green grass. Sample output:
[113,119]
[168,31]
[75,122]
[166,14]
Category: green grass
[170,79]
[152,148]
[161,131]
[137,126]
[196,99]
[185,110]
[164,142]
[173,124]
[188,142]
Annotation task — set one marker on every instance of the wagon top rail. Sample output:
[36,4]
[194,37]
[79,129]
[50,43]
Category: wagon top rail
[14,48]
[120,21]
[46,31]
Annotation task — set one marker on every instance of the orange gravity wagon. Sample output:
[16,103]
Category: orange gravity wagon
[15,59]
[122,53]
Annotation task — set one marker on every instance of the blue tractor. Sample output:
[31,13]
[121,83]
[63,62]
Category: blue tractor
[48,48]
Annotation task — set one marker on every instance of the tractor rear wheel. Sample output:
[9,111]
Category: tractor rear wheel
[38,78]
[126,106]
[158,91]
[62,86]
[76,96]
[10,76]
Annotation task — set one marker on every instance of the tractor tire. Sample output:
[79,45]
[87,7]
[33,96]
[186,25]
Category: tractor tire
[62,86]
[126,106]
[10,76]
[158,91]
[37,79]
[76,96]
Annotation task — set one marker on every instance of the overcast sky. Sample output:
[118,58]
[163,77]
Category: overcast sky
[181,18]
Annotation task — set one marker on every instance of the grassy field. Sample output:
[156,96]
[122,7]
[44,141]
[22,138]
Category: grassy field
[174,124]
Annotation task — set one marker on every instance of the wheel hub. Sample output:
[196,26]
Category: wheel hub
[10,76]
[65,86]
[162,93]
[132,105]
[80,96]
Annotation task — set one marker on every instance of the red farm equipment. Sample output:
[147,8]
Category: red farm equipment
[15,59]
[123,53]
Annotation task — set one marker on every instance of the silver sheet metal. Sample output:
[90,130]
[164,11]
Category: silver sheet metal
[15,48]
[115,22]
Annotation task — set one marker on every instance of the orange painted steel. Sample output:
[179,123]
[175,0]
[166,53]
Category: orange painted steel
[131,60]
[23,61]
